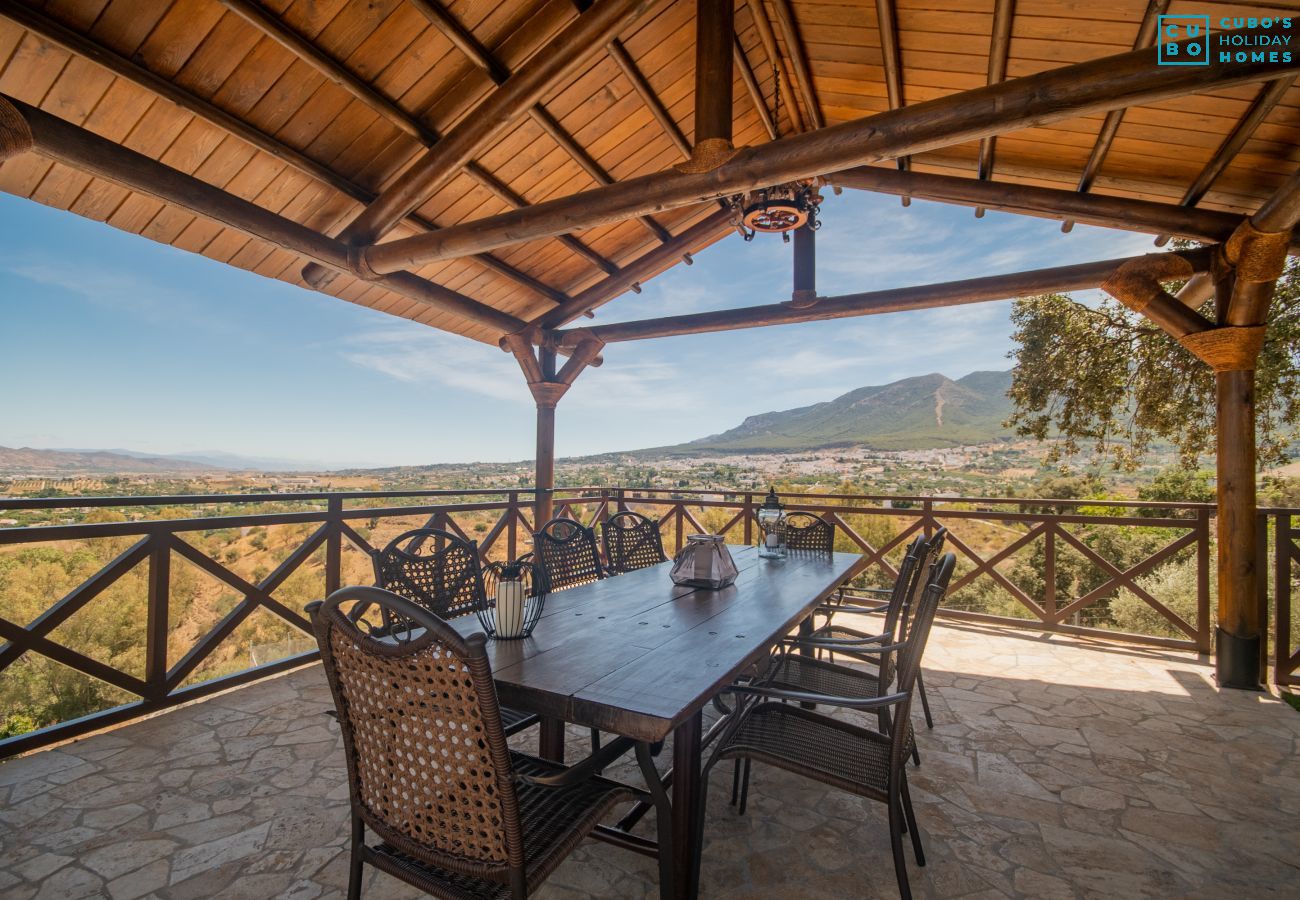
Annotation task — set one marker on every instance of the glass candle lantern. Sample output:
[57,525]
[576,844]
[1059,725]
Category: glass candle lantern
[771,525]
[512,603]
[704,562]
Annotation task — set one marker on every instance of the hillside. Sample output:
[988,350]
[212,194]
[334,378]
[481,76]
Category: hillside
[31,462]
[919,413]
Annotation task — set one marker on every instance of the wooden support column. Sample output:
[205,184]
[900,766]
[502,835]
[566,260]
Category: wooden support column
[1246,274]
[548,386]
[715,30]
[805,268]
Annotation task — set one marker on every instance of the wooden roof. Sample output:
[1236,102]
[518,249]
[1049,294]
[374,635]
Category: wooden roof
[342,143]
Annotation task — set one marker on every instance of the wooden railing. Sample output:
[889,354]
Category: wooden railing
[1047,565]
[1282,526]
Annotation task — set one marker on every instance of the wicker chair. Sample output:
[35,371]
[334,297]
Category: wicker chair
[773,729]
[632,542]
[440,572]
[838,638]
[810,533]
[568,554]
[457,813]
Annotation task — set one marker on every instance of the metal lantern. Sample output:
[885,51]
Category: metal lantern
[771,521]
[512,602]
[705,562]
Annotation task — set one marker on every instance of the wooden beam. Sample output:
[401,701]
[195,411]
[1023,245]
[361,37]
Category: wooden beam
[955,293]
[1068,92]
[1268,98]
[804,293]
[643,267]
[462,39]
[798,59]
[465,41]
[715,39]
[785,83]
[1110,125]
[87,152]
[523,90]
[1094,209]
[887,25]
[648,96]
[999,48]
[278,31]
[755,92]
[589,164]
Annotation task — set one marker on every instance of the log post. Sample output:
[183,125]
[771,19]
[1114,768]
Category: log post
[714,39]
[805,267]
[547,386]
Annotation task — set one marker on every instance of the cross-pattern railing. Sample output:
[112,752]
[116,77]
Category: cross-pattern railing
[1047,565]
[1283,525]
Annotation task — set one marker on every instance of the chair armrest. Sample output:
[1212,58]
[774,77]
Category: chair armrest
[852,609]
[585,770]
[772,693]
[868,645]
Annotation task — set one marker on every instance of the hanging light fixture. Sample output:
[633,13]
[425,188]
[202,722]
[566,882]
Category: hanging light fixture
[777,210]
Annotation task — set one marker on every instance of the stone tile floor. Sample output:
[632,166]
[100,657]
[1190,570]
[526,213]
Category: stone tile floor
[1056,769]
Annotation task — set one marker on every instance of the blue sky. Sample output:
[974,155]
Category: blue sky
[112,341]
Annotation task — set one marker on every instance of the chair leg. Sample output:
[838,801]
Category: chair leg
[925,701]
[910,818]
[744,787]
[896,843]
[354,867]
[735,780]
[595,745]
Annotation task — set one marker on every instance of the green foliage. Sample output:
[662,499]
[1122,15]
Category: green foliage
[1105,380]
[1177,484]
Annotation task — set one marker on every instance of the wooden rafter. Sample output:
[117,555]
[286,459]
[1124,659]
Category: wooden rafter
[955,293]
[1269,96]
[87,152]
[755,92]
[519,93]
[887,24]
[1095,86]
[1110,125]
[482,57]
[799,59]
[1054,203]
[69,40]
[767,37]
[999,49]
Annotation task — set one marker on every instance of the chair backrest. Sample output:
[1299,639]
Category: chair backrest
[436,569]
[927,556]
[428,766]
[568,554]
[909,657]
[632,541]
[805,531]
[910,572]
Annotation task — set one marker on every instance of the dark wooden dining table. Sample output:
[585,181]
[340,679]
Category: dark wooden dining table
[637,656]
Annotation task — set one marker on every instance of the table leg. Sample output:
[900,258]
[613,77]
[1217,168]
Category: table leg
[688,811]
[550,742]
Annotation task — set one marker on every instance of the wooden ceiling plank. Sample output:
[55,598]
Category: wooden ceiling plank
[1110,125]
[794,45]
[1269,96]
[519,93]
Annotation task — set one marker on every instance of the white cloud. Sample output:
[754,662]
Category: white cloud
[419,355]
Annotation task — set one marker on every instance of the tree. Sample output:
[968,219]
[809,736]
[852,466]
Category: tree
[1103,378]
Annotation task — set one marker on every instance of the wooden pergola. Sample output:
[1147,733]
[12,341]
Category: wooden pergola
[501,170]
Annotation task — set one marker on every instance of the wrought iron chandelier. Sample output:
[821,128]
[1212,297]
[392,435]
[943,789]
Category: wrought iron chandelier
[777,210]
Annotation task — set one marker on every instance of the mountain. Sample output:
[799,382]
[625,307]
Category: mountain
[925,412]
[29,461]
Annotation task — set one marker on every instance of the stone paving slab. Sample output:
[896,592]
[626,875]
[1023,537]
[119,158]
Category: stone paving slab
[1056,768]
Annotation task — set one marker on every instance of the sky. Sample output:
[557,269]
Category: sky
[108,340]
